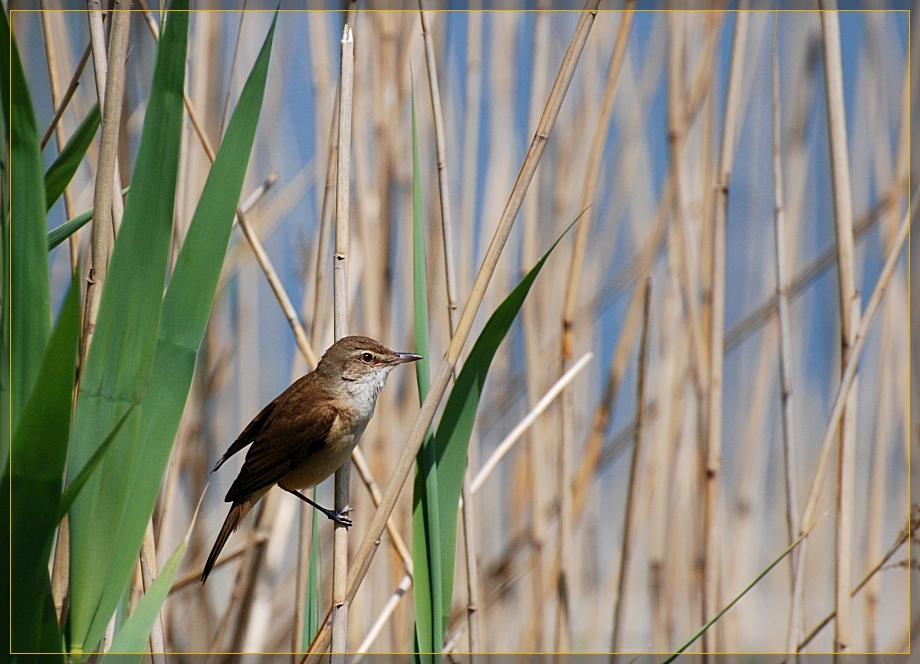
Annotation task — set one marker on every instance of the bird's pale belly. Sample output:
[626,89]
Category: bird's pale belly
[320,466]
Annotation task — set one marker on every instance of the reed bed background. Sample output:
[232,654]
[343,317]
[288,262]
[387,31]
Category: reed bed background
[694,441]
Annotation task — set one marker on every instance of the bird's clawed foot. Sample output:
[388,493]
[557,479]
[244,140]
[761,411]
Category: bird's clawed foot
[339,517]
[333,515]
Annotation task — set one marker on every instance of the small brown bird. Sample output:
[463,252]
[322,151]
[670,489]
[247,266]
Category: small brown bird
[309,430]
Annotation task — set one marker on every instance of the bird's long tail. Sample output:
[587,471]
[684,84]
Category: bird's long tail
[236,514]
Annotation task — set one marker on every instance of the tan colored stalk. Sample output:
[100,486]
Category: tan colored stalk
[906,533]
[404,585]
[106,198]
[471,122]
[407,457]
[843,224]
[60,105]
[447,234]
[521,428]
[687,250]
[716,342]
[537,372]
[194,575]
[325,230]
[632,490]
[340,295]
[782,302]
[148,565]
[846,383]
[61,102]
[236,52]
[603,412]
[476,484]
[567,515]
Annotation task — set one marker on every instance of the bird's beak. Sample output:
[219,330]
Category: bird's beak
[404,357]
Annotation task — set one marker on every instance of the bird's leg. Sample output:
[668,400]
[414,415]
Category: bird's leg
[338,517]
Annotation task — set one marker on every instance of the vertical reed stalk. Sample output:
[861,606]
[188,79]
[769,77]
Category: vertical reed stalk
[631,496]
[716,344]
[447,233]
[406,459]
[148,566]
[530,314]
[843,224]
[59,130]
[782,302]
[471,121]
[110,84]
[573,281]
[340,294]
[846,383]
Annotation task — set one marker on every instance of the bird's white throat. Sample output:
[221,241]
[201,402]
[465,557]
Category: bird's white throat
[364,391]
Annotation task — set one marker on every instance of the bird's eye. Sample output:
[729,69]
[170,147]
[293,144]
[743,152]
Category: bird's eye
[366,357]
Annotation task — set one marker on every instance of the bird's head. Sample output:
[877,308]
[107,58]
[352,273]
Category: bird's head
[361,360]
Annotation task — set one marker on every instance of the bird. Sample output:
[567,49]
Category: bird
[309,430]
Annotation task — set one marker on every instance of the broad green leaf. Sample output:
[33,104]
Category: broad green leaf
[61,171]
[68,228]
[456,425]
[121,353]
[185,311]
[133,635]
[37,459]
[74,487]
[312,615]
[186,308]
[426,528]
[30,297]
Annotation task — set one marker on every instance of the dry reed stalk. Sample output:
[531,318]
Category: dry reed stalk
[568,518]
[632,490]
[326,215]
[148,567]
[716,342]
[407,457]
[843,218]
[521,428]
[907,532]
[106,198]
[239,583]
[447,234]
[236,52]
[340,322]
[662,461]
[389,608]
[688,253]
[60,104]
[782,302]
[471,122]
[530,314]
[619,362]
[843,391]
[191,576]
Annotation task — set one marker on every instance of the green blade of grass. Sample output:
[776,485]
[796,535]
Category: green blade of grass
[456,425]
[426,527]
[37,459]
[71,226]
[186,309]
[753,583]
[59,174]
[133,636]
[312,616]
[121,355]
[30,297]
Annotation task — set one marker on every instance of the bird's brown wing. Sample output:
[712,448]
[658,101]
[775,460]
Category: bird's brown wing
[285,444]
[250,433]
